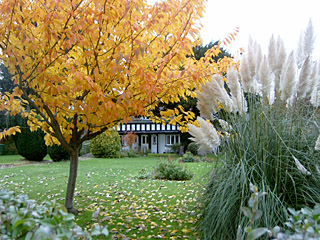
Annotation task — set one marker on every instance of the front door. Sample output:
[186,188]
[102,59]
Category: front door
[144,143]
[154,145]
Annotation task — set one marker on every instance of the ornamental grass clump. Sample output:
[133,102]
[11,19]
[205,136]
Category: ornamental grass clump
[270,140]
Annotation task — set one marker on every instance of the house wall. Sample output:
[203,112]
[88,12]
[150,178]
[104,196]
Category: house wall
[143,128]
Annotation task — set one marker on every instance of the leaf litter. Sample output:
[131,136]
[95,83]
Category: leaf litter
[132,208]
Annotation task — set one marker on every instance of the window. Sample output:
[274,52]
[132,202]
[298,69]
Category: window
[172,139]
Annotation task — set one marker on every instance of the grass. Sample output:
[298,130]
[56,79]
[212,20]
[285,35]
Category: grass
[10,159]
[133,208]
[15,160]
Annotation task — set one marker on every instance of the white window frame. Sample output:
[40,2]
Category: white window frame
[172,139]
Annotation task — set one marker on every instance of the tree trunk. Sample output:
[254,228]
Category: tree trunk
[72,181]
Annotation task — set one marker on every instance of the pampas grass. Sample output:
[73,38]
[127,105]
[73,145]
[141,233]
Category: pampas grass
[273,139]
[273,149]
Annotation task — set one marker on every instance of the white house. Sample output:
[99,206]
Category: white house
[154,137]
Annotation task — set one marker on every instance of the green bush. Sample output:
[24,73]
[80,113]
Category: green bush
[132,153]
[30,145]
[193,148]
[106,145]
[57,153]
[301,224]
[188,157]
[175,148]
[22,218]
[171,170]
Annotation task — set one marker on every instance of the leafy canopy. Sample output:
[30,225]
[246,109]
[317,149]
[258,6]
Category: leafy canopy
[82,66]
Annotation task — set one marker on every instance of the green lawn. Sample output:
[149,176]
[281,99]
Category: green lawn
[138,209]
[10,159]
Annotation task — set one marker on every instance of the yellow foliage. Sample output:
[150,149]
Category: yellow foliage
[89,66]
[9,131]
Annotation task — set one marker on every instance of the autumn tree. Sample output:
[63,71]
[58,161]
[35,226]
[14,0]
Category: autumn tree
[129,139]
[83,66]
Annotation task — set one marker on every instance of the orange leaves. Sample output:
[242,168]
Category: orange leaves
[230,37]
[104,61]
[140,73]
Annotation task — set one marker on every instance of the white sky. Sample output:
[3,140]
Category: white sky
[261,19]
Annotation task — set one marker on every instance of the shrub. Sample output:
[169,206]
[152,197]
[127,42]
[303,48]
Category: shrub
[193,148]
[175,148]
[58,153]
[132,153]
[301,224]
[30,145]
[22,218]
[188,157]
[172,170]
[106,145]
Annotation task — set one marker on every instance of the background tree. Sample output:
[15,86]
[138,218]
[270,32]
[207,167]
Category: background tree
[6,83]
[199,51]
[82,67]
[189,103]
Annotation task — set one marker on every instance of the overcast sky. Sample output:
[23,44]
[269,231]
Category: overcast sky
[261,19]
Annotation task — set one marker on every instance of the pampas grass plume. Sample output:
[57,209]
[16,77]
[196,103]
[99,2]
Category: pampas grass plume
[313,79]
[205,136]
[287,80]
[304,79]
[239,101]
[245,74]
[265,78]
[272,53]
[308,43]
